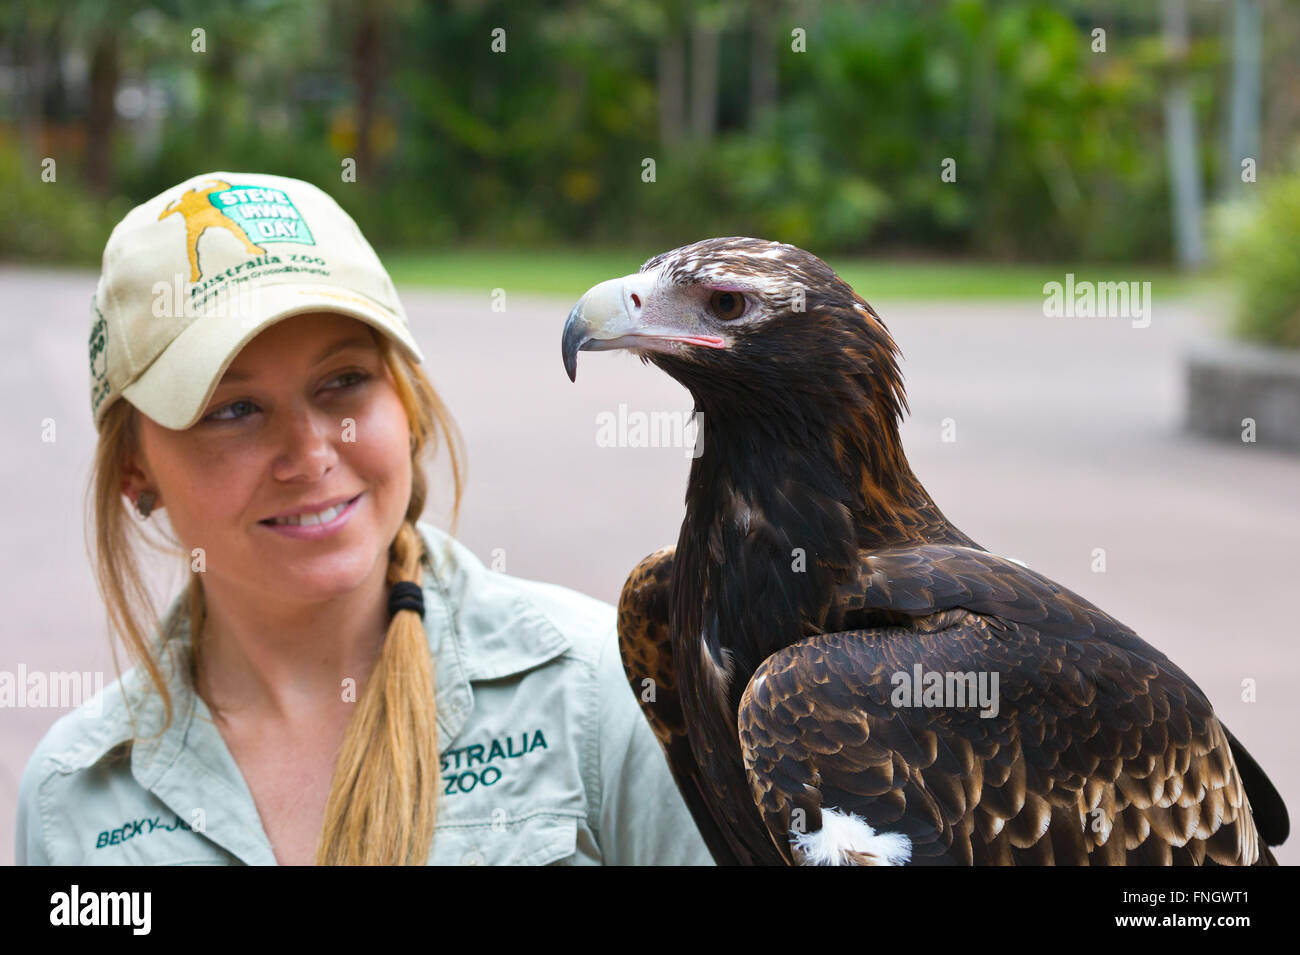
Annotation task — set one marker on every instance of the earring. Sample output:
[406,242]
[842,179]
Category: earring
[144,503]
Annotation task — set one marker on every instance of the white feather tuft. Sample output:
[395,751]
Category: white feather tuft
[842,833]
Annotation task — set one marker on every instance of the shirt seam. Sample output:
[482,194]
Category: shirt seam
[598,721]
[201,860]
[41,814]
[176,686]
[452,611]
[574,814]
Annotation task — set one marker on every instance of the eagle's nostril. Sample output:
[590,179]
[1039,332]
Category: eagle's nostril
[636,300]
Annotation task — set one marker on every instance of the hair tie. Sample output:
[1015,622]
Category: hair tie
[406,595]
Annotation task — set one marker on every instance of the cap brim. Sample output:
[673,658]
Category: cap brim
[175,389]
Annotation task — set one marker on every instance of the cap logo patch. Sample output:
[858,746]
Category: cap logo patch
[250,213]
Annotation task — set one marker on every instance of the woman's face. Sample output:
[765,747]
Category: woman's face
[306,416]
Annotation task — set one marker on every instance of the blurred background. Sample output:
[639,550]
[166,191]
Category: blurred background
[949,159]
[823,124]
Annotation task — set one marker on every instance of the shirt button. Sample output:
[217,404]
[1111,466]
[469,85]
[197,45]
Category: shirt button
[473,857]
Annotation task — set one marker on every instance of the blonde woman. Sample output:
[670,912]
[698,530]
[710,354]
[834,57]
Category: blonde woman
[339,682]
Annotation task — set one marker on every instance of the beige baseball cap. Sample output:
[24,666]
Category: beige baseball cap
[194,274]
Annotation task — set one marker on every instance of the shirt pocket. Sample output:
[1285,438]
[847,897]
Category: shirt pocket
[539,839]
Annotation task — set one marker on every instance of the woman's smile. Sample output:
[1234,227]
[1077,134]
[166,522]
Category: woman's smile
[312,525]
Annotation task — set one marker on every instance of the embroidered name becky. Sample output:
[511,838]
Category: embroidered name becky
[137,827]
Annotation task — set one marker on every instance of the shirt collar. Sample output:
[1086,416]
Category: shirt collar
[188,766]
[499,632]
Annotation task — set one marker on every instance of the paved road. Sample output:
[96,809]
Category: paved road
[1067,439]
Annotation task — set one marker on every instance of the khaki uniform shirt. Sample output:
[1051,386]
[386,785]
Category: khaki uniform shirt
[546,757]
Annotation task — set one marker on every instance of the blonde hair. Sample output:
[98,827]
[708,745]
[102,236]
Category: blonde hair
[383,797]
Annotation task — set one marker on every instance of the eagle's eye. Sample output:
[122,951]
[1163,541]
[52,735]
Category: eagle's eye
[727,305]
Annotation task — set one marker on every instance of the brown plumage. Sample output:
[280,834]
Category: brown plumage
[814,579]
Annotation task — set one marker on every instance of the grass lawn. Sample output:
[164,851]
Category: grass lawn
[570,272]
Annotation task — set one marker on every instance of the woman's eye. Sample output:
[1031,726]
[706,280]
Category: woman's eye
[349,379]
[360,376]
[220,413]
[727,305]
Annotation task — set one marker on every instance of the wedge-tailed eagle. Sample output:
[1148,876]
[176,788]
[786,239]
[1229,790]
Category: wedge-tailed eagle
[779,685]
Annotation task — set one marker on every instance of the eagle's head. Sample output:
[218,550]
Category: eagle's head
[797,379]
[745,322]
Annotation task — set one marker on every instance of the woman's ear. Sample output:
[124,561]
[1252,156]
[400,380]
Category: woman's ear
[136,480]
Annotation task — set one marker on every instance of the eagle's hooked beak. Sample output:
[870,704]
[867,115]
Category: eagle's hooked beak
[619,314]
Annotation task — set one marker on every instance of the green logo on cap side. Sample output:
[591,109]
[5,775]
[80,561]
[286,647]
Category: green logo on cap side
[99,386]
[266,215]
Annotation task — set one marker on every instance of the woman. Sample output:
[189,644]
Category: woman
[339,682]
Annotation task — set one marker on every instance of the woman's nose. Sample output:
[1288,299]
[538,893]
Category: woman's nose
[307,441]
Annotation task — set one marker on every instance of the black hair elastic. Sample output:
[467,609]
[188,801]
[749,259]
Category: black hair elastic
[406,596]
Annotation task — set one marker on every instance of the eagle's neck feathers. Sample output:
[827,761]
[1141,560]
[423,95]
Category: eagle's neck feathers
[795,482]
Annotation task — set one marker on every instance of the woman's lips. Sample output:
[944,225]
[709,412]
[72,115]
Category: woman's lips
[316,531]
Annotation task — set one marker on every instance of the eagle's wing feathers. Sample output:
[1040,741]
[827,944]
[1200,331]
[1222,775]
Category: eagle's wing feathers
[946,576]
[1100,750]
[1265,802]
[645,644]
